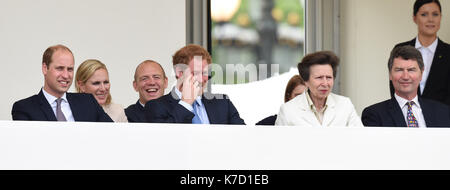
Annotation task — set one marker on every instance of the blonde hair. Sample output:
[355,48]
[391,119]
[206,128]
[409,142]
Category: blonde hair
[86,70]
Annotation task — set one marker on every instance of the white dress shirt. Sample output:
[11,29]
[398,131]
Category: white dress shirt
[427,55]
[416,109]
[65,107]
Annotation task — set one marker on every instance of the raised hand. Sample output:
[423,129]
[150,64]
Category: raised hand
[191,88]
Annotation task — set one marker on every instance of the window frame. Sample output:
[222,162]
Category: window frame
[321,26]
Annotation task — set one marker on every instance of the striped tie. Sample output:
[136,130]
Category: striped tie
[412,122]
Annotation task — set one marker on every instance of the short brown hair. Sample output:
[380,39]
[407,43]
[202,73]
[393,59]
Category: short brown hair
[48,53]
[318,58]
[407,53]
[291,85]
[187,53]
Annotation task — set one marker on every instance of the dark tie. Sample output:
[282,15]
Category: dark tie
[196,118]
[59,113]
[412,122]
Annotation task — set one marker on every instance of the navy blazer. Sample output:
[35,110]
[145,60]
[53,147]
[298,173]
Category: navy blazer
[268,120]
[36,108]
[437,86]
[135,113]
[166,109]
[389,114]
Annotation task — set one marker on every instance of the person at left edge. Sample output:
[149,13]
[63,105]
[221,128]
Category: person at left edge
[53,102]
[188,102]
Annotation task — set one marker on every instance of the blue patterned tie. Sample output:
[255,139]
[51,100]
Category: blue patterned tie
[412,122]
[196,119]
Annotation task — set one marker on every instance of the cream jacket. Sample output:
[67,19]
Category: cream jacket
[339,113]
[115,112]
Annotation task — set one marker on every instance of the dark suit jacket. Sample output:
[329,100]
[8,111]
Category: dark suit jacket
[166,109]
[135,113]
[268,120]
[438,82]
[36,108]
[389,114]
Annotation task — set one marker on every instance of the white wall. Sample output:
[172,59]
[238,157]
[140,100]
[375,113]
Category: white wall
[144,146]
[369,31]
[119,33]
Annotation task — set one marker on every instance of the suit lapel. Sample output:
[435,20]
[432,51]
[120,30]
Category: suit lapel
[45,107]
[140,111]
[73,106]
[209,109]
[330,112]
[305,111]
[433,77]
[426,112]
[173,97]
[396,113]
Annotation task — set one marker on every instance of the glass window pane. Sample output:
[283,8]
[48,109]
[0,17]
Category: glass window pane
[255,46]
[261,37]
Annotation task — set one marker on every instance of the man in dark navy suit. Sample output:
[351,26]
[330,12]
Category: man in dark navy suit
[188,102]
[406,108]
[150,81]
[53,103]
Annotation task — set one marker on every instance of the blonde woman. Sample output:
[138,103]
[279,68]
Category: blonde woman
[92,77]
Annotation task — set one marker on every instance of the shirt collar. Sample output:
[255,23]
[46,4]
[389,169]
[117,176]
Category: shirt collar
[50,98]
[143,105]
[402,101]
[432,47]
[311,104]
[308,98]
[178,93]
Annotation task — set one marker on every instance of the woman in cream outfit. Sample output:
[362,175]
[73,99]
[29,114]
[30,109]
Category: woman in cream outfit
[92,77]
[318,107]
